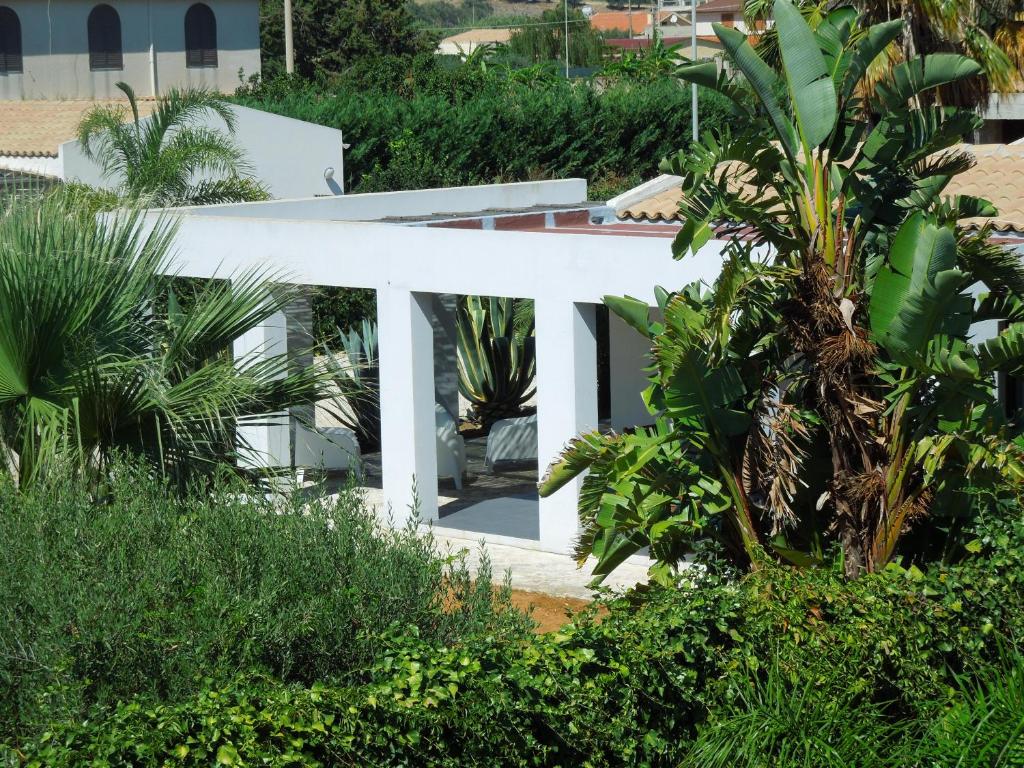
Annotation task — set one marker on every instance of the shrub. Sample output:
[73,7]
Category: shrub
[650,682]
[145,594]
[415,124]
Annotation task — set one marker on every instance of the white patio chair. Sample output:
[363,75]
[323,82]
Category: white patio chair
[512,440]
[451,447]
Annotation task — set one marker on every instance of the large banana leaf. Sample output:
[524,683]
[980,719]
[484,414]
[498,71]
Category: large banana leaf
[763,81]
[919,252]
[912,77]
[812,91]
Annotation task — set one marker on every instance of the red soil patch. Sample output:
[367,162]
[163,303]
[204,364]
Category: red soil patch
[549,612]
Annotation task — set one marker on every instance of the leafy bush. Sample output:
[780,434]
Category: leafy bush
[650,682]
[416,123]
[142,593]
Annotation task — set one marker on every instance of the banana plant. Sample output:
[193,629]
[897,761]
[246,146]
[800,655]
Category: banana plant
[670,485]
[944,424]
[821,393]
[496,355]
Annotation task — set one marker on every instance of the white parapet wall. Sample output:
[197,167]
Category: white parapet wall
[291,157]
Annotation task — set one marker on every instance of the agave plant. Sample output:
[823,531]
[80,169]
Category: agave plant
[170,158]
[496,355]
[358,382]
[88,366]
[827,392]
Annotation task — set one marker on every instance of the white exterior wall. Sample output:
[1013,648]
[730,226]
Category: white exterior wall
[628,354]
[289,156]
[566,275]
[55,48]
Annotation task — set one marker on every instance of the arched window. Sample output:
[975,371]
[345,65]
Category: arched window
[200,37]
[10,41]
[105,38]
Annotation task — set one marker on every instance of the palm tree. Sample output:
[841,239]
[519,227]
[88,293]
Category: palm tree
[170,158]
[989,33]
[96,355]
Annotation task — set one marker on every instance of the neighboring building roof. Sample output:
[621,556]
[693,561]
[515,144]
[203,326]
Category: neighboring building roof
[707,44]
[720,6]
[608,21]
[37,128]
[479,36]
[998,177]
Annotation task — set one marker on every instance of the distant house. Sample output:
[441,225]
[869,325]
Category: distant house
[1004,119]
[464,43]
[69,49]
[38,146]
[634,22]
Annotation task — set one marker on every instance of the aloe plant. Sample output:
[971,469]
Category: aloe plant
[496,355]
[358,382]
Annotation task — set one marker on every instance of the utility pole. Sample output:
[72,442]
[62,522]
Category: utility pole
[289,42]
[693,55]
[566,6]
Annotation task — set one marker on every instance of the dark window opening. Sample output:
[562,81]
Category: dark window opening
[10,41]
[200,37]
[105,39]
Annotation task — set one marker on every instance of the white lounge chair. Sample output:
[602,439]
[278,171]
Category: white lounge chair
[329,448]
[512,440]
[451,447]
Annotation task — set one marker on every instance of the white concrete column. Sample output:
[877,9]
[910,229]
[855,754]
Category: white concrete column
[408,439]
[566,404]
[263,440]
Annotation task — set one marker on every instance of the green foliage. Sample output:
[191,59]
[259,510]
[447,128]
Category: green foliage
[497,355]
[844,341]
[88,365]
[330,35]
[441,13]
[543,38]
[357,380]
[784,669]
[137,592]
[169,158]
[420,124]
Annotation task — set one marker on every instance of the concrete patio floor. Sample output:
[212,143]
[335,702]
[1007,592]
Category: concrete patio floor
[503,506]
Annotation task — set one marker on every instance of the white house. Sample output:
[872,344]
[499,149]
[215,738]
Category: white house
[291,157]
[79,49]
[538,240]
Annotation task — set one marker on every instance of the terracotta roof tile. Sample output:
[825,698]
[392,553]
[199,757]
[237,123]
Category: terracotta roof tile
[608,21]
[998,177]
[37,128]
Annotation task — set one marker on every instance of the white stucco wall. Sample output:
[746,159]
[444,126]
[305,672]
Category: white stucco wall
[287,155]
[319,242]
[55,48]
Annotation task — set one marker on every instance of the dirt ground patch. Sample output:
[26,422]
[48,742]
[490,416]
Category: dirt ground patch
[549,612]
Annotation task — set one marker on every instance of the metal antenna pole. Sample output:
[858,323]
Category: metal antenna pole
[289,43]
[566,38]
[693,52]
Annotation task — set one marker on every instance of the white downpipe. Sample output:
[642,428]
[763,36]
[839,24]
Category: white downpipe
[152,51]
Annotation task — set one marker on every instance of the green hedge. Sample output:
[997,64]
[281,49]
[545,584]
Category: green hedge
[640,685]
[413,126]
